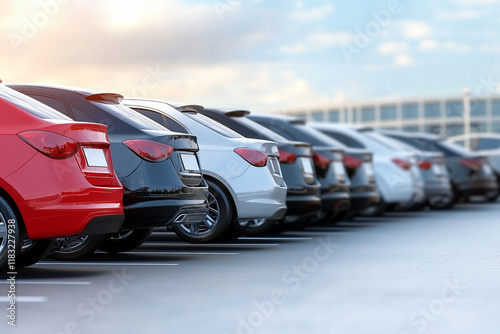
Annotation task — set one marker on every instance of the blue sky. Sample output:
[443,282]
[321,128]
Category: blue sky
[260,55]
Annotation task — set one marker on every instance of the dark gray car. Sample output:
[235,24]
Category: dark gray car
[470,173]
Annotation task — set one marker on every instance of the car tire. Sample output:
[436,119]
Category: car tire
[33,251]
[442,203]
[77,247]
[221,214]
[8,249]
[125,241]
[374,210]
[323,217]
[255,227]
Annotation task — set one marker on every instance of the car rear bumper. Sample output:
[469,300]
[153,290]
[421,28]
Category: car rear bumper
[360,201]
[155,213]
[437,189]
[303,200]
[335,198]
[478,188]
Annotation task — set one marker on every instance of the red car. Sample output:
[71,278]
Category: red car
[56,180]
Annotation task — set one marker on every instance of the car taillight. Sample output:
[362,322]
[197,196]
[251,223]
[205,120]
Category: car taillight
[51,144]
[402,163]
[320,160]
[287,157]
[254,157]
[149,150]
[424,164]
[351,162]
[471,163]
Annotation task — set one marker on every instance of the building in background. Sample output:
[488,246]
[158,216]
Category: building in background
[444,116]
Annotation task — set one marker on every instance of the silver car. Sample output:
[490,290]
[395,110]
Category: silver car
[243,175]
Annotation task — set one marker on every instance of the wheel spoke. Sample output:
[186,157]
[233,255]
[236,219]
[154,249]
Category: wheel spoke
[209,222]
[3,230]
[194,228]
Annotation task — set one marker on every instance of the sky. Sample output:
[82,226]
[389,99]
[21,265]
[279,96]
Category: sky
[260,55]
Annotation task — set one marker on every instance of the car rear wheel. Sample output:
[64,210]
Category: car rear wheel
[77,247]
[125,241]
[9,230]
[33,251]
[374,210]
[255,227]
[220,215]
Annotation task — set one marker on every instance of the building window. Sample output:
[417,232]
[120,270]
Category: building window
[317,116]
[495,127]
[410,111]
[434,129]
[411,128]
[454,129]
[454,109]
[495,107]
[478,108]
[432,110]
[478,127]
[388,112]
[334,116]
[367,114]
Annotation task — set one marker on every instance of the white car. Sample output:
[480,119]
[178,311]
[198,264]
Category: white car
[487,144]
[243,175]
[396,172]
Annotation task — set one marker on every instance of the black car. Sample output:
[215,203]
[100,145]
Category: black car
[328,162]
[303,194]
[470,173]
[158,168]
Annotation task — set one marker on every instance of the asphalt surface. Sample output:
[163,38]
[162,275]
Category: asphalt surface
[406,272]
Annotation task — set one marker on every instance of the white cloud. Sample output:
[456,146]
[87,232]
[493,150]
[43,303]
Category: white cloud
[392,47]
[329,39]
[313,14]
[415,29]
[428,45]
[463,14]
[403,60]
[294,49]
[476,2]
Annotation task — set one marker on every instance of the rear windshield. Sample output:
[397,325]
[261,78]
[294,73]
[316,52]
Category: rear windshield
[315,137]
[260,129]
[30,105]
[214,125]
[389,142]
[130,116]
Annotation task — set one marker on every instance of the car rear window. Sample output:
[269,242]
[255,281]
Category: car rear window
[314,137]
[30,105]
[214,125]
[130,116]
[260,129]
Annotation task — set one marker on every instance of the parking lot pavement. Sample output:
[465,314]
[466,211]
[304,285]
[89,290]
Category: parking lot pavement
[406,272]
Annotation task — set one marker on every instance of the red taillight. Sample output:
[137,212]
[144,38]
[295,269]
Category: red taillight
[254,157]
[149,150]
[471,163]
[352,162]
[51,144]
[402,163]
[424,164]
[320,160]
[287,157]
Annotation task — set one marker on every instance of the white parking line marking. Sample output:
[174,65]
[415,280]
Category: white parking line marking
[275,238]
[48,283]
[24,299]
[204,245]
[104,264]
[181,253]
